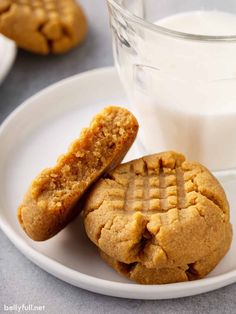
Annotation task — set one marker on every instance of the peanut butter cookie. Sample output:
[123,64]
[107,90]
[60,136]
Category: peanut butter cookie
[161,212]
[43,26]
[50,201]
[143,275]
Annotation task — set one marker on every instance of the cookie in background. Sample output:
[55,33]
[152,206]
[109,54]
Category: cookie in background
[43,27]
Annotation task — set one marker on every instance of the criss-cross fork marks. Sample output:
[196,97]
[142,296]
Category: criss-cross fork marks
[48,7]
[158,190]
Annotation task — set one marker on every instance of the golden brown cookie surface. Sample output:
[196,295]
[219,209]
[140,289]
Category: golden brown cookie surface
[43,26]
[143,275]
[160,211]
[50,201]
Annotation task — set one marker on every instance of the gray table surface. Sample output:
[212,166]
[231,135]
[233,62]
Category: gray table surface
[22,282]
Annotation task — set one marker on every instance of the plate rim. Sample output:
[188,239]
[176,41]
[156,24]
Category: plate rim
[9,57]
[88,282]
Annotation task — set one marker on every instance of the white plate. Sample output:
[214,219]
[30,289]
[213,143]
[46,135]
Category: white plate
[7,56]
[30,139]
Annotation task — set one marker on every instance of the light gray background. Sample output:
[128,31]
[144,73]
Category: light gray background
[20,280]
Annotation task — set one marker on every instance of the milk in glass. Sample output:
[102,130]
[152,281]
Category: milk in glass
[184,91]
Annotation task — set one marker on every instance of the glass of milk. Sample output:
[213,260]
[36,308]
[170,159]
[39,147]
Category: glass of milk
[177,61]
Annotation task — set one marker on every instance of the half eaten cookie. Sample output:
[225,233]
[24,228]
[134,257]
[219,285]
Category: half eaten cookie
[50,202]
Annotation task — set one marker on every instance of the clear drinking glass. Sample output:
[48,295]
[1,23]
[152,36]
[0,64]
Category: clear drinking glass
[182,86]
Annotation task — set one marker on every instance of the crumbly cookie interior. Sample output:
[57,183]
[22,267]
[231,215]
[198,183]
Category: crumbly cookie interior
[100,147]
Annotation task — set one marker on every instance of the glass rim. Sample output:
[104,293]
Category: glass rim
[169,32]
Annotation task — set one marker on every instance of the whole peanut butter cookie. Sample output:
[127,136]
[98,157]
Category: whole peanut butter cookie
[50,202]
[43,26]
[159,212]
[143,275]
